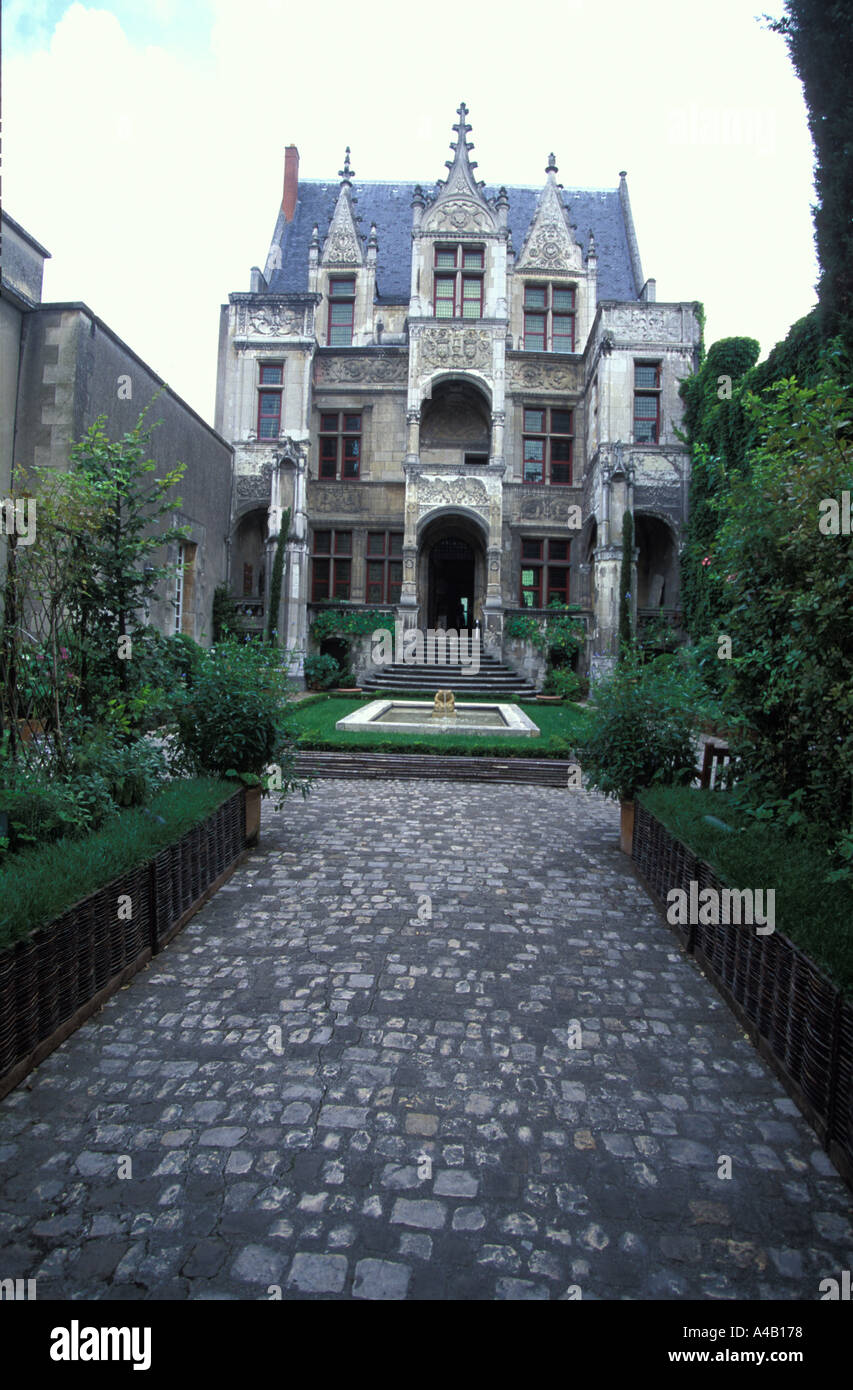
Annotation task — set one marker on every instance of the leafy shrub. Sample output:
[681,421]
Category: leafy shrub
[132,771]
[42,810]
[787,610]
[322,672]
[641,729]
[563,681]
[352,622]
[231,722]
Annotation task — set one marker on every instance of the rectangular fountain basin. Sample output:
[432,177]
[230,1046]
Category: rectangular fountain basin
[416,716]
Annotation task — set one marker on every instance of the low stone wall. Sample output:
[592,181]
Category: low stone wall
[525,659]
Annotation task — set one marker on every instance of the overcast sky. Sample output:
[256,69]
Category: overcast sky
[144,141]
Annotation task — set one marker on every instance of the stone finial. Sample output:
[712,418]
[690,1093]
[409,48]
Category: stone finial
[347,174]
[623,173]
[461,145]
[372,240]
[315,237]
[418,199]
[551,166]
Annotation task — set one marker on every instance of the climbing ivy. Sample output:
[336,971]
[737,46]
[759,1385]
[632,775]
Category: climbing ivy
[351,622]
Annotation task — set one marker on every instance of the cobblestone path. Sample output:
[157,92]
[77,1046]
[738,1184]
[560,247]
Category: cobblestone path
[428,1126]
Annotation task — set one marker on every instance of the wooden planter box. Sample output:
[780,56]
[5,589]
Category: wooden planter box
[797,1018]
[53,981]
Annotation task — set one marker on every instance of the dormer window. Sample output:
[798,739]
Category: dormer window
[549,318]
[341,310]
[458,286]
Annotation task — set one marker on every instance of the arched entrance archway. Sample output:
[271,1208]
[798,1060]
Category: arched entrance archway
[451,572]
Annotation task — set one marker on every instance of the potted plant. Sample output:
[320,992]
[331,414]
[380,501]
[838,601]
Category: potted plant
[640,734]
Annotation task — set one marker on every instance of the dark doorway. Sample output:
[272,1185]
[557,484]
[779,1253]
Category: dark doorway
[451,584]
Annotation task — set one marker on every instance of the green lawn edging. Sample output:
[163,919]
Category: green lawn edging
[814,914]
[38,884]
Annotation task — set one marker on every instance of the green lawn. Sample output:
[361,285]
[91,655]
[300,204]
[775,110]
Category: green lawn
[38,884]
[813,913]
[561,727]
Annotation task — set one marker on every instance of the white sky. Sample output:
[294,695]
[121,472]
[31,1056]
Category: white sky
[144,141]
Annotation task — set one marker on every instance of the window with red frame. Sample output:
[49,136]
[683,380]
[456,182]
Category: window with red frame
[341,310]
[271,375]
[547,445]
[545,568]
[647,402]
[549,318]
[331,565]
[458,282]
[384,566]
[340,444]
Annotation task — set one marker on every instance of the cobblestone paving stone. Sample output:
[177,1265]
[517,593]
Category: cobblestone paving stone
[425,1124]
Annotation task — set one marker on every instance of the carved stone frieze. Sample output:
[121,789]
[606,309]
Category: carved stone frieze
[459,215]
[272,321]
[456,491]
[544,506]
[646,325]
[345,369]
[337,500]
[543,376]
[254,486]
[463,348]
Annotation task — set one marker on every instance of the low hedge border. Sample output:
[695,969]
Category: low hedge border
[53,980]
[795,1015]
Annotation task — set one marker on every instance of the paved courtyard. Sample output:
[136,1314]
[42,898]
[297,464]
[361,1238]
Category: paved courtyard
[430,1041]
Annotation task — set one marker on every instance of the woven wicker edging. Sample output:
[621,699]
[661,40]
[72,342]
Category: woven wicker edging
[797,1018]
[64,972]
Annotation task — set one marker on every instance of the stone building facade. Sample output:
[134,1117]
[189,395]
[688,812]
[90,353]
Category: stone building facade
[62,368]
[457,394]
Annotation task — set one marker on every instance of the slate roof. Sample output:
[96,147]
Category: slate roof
[389,206]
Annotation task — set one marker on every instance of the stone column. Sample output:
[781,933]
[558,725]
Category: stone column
[295,584]
[413,435]
[407,608]
[497,447]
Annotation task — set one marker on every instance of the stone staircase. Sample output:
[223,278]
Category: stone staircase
[493,678]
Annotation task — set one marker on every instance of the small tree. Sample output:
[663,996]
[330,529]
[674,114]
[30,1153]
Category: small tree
[43,579]
[626,633]
[122,578]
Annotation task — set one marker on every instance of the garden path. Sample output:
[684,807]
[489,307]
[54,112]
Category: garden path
[425,1124]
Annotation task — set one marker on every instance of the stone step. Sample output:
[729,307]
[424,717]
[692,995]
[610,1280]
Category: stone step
[543,772]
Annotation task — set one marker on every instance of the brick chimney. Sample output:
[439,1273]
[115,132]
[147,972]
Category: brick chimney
[291,182]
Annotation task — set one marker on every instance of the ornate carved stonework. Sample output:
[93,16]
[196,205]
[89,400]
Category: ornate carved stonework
[544,507]
[342,246]
[647,325]
[361,369]
[469,348]
[341,249]
[548,249]
[254,485]
[275,321]
[550,245]
[543,375]
[459,215]
[452,492]
[336,500]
